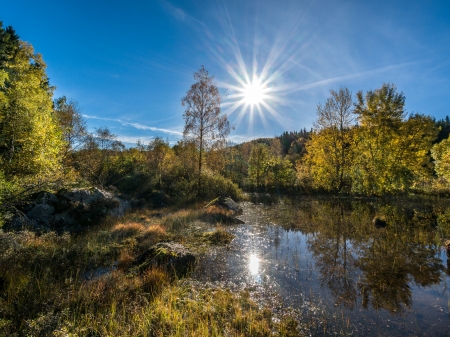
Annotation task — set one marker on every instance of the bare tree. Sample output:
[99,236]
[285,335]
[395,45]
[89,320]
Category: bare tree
[204,125]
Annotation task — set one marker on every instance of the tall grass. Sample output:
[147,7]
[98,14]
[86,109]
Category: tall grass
[78,285]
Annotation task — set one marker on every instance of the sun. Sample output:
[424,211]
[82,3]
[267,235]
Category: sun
[254,93]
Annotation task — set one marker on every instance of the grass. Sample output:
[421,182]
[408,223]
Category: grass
[219,236]
[45,289]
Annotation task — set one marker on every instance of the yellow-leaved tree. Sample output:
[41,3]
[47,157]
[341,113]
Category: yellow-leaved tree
[391,151]
[441,156]
[30,138]
[329,155]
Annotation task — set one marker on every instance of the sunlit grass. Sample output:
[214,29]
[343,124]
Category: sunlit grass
[78,285]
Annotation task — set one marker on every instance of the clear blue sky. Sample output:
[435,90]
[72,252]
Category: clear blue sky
[129,63]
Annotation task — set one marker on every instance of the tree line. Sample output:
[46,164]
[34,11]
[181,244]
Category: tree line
[368,145]
[372,146]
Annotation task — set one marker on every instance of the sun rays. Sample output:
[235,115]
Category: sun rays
[257,86]
[253,95]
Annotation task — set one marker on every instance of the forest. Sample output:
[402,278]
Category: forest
[363,145]
[366,146]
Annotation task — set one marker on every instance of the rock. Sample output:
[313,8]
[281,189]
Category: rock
[64,219]
[42,213]
[227,203]
[86,196]
[120,209]
[379,223]
[67,210]
[19,223]
[172,256]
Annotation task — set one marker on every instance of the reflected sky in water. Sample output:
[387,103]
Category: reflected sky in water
[390,281]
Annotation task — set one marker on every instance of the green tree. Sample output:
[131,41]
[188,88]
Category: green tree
[390,149]
[279,173]
[159,159]
[204,124]
[9,45]
[259,156]
[329,148]
[441,155]
[30,138]
[72,124]
[73,128]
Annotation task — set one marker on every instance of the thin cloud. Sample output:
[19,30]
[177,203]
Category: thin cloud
[132,141]
[180,15]
[136,125]
[347,77]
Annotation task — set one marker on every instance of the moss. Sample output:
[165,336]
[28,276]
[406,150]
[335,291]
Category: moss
[219,236]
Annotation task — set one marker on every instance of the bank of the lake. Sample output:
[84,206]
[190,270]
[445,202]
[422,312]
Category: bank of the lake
[285,267]
[88,284]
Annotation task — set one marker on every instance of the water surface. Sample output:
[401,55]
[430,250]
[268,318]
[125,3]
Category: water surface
[327,258]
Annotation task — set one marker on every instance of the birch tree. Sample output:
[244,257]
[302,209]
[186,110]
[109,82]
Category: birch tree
[204,123]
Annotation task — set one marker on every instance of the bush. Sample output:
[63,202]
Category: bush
[215,184]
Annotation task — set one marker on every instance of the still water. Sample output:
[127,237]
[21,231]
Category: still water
[326,258]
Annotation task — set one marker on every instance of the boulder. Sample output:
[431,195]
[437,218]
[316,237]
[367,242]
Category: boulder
[22,222]
[67,210]
[41,213]
[86,196]
[227,203]
[174,257]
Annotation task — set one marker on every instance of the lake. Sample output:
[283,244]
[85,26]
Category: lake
[325,258]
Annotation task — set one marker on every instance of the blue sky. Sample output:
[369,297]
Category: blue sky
[129,63]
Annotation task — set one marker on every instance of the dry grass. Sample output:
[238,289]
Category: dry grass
[128,229]
[44,289]
[125,260]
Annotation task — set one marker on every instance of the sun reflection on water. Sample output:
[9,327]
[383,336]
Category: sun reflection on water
[253,264]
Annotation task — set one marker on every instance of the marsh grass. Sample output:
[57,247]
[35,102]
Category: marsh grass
[219,236]
[78,285]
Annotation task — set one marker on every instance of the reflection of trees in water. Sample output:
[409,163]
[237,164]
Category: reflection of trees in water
[379,265]
[388,269]
[334,255]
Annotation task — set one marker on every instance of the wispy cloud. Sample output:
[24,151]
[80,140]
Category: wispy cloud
[131,141]
[181,15]
[138,126]
[347,77]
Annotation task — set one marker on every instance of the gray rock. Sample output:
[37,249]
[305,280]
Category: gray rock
[227,203]
[42,213]
[64,219]
[86,196]
[68,209]
[172,256]
[120,210]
